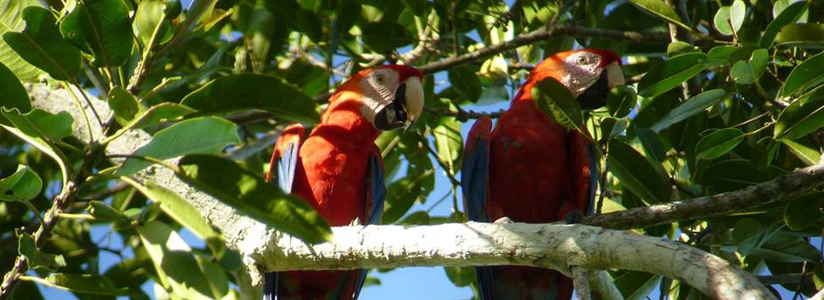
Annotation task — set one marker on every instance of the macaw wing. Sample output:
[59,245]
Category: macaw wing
[284,160]
[282,168]
[475,170]
[584,170]
[375,198]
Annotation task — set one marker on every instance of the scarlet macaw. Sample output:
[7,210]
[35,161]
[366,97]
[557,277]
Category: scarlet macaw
[531,169]
[339,170]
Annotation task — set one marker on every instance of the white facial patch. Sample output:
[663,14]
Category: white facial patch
[582,71]
[378,91]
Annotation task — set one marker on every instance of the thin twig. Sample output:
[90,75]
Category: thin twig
[463,115]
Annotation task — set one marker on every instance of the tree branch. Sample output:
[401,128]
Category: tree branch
[783,187]
[543,245]
[541,34]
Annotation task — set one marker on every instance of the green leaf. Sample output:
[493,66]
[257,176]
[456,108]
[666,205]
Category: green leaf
[44,146]
[83,283]
[748,72]
[636,285]
[670,74]
[448,142]
[400,196]
[730,175]
[123,104]
[383,37]
[726,19]
[163,112]
[784,246]
[41,44]
[804,211]
[460,276]
[801,35]
[806,154]
[465,82]
[801,118]
[718,143]
[14,95]
[557,102]
[26,245]
[652,144]
[205,135]
[748,234]
[23,185]
[660,9]
[612,127]
[637,173]
[621,101]
[291,14]
[722,52]
[789,15]
[173,261]
[689,108]
[254,91]
[678,47]
[251,195]
[178,208]
[803,77]
[150,14]
[100,27]
[12,20]
[738,12]
[104,212]
[42,124]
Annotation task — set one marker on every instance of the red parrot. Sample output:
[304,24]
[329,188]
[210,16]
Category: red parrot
[338,168]
[531,169]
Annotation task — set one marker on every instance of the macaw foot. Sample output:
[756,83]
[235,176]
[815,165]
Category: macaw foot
[504,220]
[574,217]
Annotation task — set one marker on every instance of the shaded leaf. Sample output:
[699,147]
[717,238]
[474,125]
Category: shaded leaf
[205,135]
[123,104]
[612,127]
[730,175]
[251,195]
[621,101]
[660,9]
[678,47]
[789,15]
[670,74]
[804,76]
[400,196]
[800,118]
[801,35]
[804,211]
[163,112]
[100,27]
[12,20]
[39,123]
[14,95]
[637,173]
[149,15]
[806,154]
[465,82]
[718,143]
[23,185]
[448,142]
[385,36]
[747,72]
[83,283]
[254,91]
[555,100]
[178,208]
[636,285]
[41,44]
[689,108]
[104,212]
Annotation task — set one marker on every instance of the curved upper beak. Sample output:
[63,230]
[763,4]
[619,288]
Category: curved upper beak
[595,96]
[404,109]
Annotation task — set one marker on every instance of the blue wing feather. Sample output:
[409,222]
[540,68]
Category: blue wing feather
[475,187]
[593,171]
[378,191]
[286,166]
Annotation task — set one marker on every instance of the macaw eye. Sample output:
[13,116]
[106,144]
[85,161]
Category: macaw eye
[582,60]
[379,78]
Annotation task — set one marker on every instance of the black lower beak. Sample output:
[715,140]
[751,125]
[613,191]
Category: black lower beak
[393,115]
[596,95]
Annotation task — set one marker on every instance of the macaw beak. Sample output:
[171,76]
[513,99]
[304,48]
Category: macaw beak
[404,109]
[595,95]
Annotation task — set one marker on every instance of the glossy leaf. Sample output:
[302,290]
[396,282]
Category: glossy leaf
[163,112]
[670,74]
[83,283]
[800,118]
[12,20]
[150,19]
[448,143]
[806,154]
[804,211]
[44,146]
[805,76]
[689,108]
[251,195]
[728,19]
[178,208]
[738,12]
[659,9]
[38,123]
[100,27]
[555,100]
[41,44]
[789,15]
[612,127]
[747,72]
[23,185]
[385,36]
[123,104]
[465,82]
[801,35]
[254,91]
[621,101]
[637,173]
[205,135]
[400,196]
[636,285]
[13,95]
[718,143]
[730,175]
[104,212]
[678,47]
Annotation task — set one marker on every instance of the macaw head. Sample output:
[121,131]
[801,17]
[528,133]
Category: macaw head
[390,96]
[588,73]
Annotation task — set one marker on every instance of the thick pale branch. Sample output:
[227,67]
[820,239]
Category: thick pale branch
[783,187]
[540,34]
[543,245]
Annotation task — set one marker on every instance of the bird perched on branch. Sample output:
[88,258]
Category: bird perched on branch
[531,169]
[338,168]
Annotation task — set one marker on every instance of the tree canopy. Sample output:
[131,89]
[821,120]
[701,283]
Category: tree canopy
[714,143]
